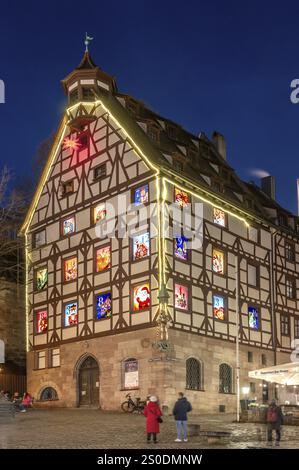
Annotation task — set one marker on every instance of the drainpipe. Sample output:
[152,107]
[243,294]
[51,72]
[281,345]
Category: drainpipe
[272,293]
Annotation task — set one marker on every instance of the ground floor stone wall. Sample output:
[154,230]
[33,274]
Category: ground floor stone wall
[159,374]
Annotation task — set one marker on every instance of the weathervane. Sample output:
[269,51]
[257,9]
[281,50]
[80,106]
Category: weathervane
[88,39]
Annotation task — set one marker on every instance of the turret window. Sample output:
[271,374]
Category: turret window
[88,94]
[74,96]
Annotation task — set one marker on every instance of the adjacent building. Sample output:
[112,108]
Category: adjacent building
[108,315]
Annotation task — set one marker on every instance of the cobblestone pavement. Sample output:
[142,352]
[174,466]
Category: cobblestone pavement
[94,429]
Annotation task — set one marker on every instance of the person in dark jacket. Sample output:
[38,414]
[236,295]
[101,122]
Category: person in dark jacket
[274,422]
[153,413]
[180,410]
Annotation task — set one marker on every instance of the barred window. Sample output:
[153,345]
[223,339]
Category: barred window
[194,376]
[285,325]
[290,288]
[290,252]
[225,379]
[49,394]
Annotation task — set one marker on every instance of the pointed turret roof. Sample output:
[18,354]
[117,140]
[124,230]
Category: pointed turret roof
[86,62]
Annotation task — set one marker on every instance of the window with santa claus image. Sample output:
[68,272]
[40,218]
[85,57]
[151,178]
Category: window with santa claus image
[141,297]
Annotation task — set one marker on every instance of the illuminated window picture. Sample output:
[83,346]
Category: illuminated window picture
[181,297]
[180,248]
[40,238]
[68,226]
[103,259]
[219,217]
[181,197]
[141,195]
[41,321]
[103,306]
[141,245]
[41,278]
[219,307]
[253,318]
[99,213]
[218,261]
[70,269]
[141,297]
[71,314]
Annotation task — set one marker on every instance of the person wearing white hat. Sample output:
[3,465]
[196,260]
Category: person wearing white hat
[153,414]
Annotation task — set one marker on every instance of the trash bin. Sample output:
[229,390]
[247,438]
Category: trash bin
[221,408]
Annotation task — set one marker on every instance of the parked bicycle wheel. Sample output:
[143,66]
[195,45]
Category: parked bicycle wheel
[127,407]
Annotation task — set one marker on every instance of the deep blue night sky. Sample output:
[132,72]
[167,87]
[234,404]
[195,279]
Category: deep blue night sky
[207,65]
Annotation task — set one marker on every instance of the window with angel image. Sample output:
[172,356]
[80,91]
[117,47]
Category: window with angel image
[68,226]
[219,307]
[141,195]
[41,278]
[218,261]
[103,306]
[219,217]
[141,297]
[41,321]
[180,248]
[71,314]
[70,269]
[141,246]
[103,258]
[181,197]
[253,318]
[181,297]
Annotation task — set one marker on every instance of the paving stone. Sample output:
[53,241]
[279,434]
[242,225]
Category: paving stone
[95,429]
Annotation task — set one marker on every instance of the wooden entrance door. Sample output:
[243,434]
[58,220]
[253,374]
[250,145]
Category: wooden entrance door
[89,383]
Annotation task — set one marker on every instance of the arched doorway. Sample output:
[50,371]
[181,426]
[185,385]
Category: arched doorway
[88,381]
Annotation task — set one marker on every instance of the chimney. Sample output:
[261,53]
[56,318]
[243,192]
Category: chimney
[269,186]
[220,144]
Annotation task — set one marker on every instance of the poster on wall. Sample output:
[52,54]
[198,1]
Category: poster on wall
[131,374]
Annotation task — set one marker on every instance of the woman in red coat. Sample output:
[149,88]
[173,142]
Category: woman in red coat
[152,412]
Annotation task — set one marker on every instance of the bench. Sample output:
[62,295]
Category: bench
[193,429]
[216,437]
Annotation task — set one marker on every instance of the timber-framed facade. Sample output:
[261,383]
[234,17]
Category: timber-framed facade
[92,297]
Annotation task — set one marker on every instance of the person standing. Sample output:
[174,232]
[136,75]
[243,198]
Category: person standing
[153,413]
[180,410]
[274,422]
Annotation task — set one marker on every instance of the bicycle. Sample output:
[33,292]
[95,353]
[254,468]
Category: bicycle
[129,406]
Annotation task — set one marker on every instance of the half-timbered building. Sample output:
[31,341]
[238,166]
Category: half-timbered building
[108,315]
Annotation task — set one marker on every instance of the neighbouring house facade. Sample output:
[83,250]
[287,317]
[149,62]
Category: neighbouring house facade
[97,307]
[12,311]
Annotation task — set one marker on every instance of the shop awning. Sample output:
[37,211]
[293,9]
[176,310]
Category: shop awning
[284,374]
